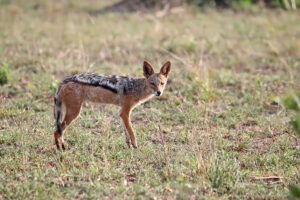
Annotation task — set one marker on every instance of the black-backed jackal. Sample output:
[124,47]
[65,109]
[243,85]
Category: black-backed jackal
[126,92]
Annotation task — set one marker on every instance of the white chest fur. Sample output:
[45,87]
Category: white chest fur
[143,100]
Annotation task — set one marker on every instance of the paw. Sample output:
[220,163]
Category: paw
[63,146]
[128,143]
[134,144]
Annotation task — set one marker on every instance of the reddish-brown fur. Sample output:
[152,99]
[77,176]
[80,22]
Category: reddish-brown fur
[73,94]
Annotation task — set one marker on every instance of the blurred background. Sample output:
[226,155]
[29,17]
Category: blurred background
[219,131]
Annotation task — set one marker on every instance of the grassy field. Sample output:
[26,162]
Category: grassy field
[218,131]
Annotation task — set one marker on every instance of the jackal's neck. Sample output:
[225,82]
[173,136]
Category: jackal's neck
[142,89]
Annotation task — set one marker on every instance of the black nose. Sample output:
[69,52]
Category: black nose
[158,93]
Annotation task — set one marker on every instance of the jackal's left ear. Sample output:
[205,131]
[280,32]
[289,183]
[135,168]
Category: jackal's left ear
[148,69]
[165,69]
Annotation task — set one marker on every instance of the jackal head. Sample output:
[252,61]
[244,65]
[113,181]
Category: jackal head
[156,81]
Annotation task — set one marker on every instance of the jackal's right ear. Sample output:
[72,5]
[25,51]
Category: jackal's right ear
[148,69]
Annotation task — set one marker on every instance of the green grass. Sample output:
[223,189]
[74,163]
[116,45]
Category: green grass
[222,128]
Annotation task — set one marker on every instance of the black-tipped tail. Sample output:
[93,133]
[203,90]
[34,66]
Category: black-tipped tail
[57,115]
[58,124]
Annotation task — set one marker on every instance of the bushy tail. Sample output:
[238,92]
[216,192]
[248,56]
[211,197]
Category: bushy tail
[57,114]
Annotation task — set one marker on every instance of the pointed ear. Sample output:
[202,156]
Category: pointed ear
[148,69]
[165,69]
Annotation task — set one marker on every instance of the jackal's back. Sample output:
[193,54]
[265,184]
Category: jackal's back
[116,84]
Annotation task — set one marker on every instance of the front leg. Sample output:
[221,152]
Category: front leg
[127,136]
[125,116]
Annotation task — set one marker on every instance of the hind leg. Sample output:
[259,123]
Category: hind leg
[72,111]
[56,138]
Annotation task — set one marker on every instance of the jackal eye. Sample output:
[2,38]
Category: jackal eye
[153,84]
[162,83]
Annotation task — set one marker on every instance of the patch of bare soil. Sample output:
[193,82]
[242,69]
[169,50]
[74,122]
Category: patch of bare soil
[260,142]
